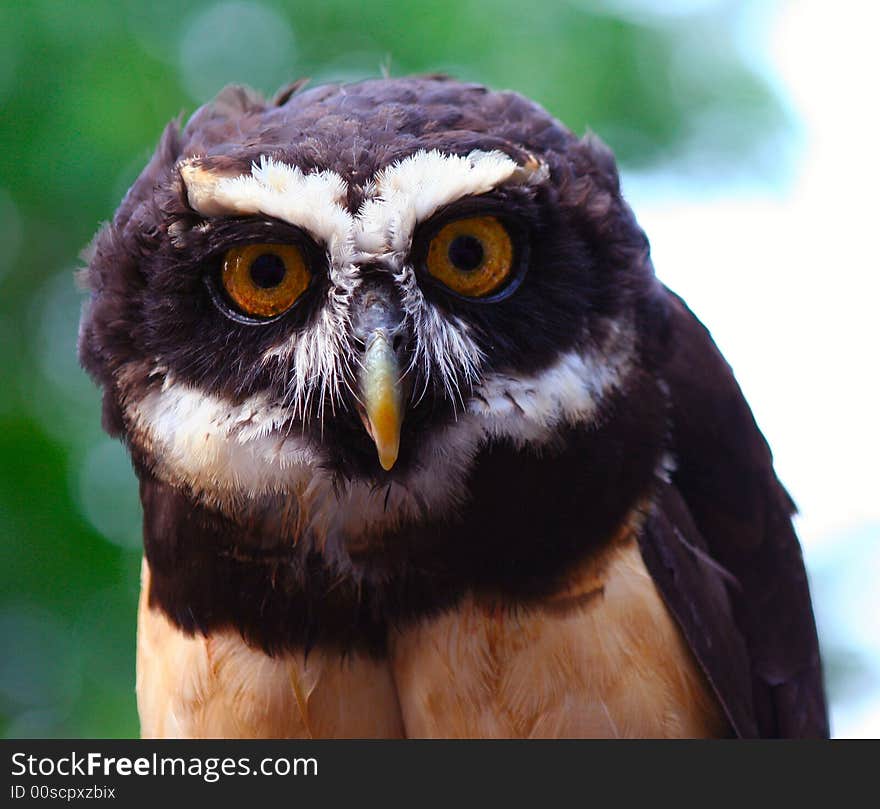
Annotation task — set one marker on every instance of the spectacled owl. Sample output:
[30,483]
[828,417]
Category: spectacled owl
[424,447]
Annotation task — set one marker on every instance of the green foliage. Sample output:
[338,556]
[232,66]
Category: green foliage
[85,89]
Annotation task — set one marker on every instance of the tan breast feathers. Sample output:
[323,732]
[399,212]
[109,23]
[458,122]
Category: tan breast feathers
[219,687]
[602,659]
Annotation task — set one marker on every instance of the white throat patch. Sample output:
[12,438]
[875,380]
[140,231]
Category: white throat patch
[229,456]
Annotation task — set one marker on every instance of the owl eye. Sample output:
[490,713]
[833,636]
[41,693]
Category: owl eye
[473,257]
[264,280]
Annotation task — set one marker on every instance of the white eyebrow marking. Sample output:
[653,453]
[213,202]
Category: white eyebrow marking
[400,196]
[411,190]
[314,202]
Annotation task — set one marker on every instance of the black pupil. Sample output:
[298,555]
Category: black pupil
[466,253]
[267,270]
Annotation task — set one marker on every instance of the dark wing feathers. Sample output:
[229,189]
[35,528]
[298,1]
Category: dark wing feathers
[727,501]
[694,591]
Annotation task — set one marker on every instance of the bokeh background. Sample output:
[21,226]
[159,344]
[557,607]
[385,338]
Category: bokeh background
[747,142]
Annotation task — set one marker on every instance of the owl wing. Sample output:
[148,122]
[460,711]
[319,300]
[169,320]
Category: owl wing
[723,552]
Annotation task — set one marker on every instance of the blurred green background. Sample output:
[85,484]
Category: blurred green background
[85,89]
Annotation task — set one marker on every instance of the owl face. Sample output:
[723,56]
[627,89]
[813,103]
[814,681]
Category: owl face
[332,305]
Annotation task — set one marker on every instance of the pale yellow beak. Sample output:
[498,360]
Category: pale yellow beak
[382,396]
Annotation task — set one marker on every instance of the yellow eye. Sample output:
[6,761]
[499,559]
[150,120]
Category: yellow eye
[472,256]
[265,280]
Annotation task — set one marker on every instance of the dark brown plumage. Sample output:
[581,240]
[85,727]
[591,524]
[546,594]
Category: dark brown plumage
[585,401]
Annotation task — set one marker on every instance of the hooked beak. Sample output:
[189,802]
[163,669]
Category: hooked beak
[382,396]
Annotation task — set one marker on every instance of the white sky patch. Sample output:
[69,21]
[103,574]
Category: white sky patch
[788,281]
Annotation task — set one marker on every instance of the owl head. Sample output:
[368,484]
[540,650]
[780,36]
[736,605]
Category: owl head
[330,306]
